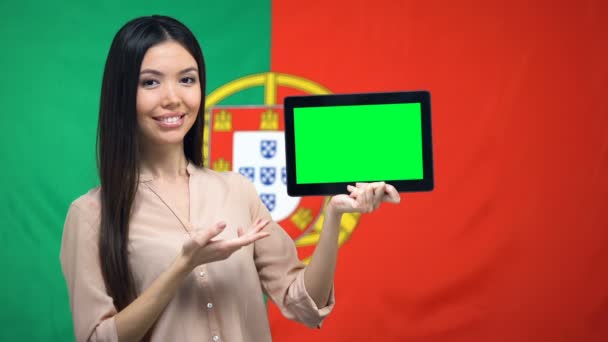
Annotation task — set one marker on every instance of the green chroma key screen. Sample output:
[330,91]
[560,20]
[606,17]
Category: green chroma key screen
[371,142]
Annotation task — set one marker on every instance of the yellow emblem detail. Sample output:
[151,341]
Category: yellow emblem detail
[270,81]
[302,218]
[269,120]
[221,165]
[222,122]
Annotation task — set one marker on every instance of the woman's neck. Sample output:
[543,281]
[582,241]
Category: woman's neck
[167,161]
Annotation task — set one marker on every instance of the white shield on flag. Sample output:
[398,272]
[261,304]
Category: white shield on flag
[264,153]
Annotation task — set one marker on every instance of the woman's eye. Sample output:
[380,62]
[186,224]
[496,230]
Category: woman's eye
[188,80]
[149,83]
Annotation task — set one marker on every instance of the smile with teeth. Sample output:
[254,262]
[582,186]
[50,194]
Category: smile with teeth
[170,119]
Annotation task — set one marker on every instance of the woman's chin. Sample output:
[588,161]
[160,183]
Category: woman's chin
[165,141]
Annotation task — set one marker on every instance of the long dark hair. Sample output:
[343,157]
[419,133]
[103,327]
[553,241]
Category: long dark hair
[117,145]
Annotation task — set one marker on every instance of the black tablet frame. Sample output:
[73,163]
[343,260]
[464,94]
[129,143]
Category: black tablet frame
[291,102]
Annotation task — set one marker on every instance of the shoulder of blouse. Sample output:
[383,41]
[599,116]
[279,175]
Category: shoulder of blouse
[88,204]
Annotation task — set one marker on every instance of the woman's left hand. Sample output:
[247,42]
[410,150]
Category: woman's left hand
[364,198]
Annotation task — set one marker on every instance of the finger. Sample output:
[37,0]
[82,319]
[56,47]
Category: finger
[391,195]
[354,191]
[262,223]
[361,185]
[378,194]
[255,237]
[210,233]
[362,201]
[355,205]
[369,199]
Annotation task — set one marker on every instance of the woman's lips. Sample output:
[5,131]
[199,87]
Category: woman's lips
[170,121]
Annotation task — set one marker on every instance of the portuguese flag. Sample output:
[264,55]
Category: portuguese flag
[512,245]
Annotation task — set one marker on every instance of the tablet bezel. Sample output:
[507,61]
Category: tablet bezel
[315,189]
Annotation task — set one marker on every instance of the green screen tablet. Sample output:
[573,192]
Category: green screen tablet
[335,140]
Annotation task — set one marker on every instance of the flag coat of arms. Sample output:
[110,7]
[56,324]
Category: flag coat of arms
[250,140]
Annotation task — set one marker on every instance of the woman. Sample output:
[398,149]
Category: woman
[165,249]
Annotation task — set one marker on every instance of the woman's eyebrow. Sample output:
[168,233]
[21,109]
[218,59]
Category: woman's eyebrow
[158,73]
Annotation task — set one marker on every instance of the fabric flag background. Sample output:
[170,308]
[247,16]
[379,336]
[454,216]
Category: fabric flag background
[512,245]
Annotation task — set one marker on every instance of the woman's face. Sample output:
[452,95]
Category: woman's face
[168,94]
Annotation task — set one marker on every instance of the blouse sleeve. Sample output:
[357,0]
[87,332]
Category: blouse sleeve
[92,308]
[281,272]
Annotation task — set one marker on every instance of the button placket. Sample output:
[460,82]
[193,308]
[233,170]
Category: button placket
[202,277]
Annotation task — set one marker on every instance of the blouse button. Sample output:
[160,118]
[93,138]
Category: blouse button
[216,338]
[201,274]
[209,305]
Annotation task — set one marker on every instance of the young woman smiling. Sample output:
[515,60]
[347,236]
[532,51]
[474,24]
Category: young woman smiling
[166,249]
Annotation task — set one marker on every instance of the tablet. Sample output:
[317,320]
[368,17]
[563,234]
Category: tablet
[335,140]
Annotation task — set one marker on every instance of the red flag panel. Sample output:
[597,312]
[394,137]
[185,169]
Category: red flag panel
[513,243]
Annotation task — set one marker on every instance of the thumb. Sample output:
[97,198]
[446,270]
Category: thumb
[391,195]
[203,236]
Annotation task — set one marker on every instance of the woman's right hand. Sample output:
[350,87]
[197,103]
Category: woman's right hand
[202,248]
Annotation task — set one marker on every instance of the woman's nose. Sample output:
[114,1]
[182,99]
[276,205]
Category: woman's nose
[170,97]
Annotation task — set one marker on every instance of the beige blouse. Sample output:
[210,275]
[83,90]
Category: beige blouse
[220,301]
